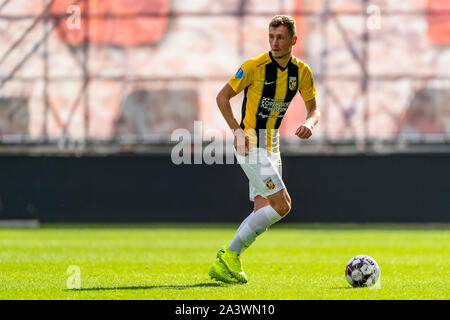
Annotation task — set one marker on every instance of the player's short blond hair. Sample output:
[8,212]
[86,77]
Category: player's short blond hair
[283,20]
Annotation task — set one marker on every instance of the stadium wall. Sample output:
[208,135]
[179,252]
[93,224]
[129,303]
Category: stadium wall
[394,188]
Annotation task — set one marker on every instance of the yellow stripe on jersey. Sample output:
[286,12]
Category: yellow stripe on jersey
[268,91]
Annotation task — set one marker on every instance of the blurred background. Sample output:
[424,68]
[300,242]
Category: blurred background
[92,80]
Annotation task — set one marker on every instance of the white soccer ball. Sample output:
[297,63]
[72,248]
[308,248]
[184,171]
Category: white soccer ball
[362,271]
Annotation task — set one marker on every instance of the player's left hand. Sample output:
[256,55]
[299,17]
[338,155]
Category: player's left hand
[303,132]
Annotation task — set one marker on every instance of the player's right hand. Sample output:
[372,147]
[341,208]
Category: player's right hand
[241,142]
[303,132]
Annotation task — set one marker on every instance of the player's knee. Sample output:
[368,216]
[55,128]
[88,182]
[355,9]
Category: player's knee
[286,208]
[281,202]
[283,208]
[286,205]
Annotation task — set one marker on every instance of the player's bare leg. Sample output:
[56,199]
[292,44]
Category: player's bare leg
[259,203]
[280,202]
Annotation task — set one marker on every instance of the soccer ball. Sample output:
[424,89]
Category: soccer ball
[362,271]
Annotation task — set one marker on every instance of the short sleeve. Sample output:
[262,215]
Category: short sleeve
[307,88]
[243,77]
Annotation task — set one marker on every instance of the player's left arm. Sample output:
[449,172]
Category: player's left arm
[312,118]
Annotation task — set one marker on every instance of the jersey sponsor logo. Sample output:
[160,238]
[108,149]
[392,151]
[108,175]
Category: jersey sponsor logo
[269,183]
[274,105]
[267,82]
[262,115]
[239,74]
[292,83]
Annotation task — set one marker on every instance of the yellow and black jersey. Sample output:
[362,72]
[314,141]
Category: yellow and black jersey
[268,91]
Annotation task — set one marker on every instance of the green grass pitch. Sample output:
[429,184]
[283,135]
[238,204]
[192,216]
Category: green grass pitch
[289,261]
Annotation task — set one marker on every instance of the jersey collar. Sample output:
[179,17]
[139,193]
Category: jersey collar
[276,63]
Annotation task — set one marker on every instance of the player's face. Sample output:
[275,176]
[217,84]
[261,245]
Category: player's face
[281,42]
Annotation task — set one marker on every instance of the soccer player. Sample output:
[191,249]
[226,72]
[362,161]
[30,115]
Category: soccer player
[270,81]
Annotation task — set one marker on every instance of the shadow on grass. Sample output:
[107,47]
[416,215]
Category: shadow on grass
[286,225]
[169,286]
[156,226]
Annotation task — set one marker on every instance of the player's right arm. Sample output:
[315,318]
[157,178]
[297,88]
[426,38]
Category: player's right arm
[241,142]
[239,82]
[223,101]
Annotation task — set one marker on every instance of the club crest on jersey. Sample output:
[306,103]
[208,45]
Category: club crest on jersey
[292,83]
[239,74]
[269,184]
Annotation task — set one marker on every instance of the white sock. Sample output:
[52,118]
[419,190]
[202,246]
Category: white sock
[243,222]
[254,225]
[236,244]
